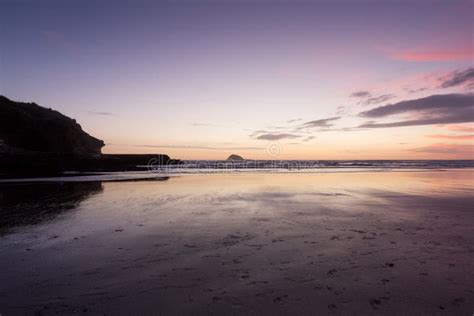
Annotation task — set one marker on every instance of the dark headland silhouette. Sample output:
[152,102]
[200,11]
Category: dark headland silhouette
[36,141]
[27,128]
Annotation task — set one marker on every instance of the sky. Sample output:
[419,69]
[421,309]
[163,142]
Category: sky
[263,79]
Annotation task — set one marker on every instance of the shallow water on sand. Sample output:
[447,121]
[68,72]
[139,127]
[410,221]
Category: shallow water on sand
[342,243]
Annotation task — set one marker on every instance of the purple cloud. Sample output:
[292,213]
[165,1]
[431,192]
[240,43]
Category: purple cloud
[435,109]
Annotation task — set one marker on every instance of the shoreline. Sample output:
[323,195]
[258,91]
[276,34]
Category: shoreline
[129,176]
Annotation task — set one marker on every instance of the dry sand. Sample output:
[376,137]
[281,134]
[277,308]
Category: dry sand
[391,243]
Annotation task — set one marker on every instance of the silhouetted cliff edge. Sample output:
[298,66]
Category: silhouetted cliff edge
[30,127]
[35,141]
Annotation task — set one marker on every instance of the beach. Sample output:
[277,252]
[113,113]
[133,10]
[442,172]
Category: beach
[359,243]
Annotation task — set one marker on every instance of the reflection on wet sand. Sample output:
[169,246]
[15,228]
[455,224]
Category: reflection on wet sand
[23,204]
[347,243]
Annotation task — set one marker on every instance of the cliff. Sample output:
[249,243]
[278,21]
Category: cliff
[35,141]
[30,128]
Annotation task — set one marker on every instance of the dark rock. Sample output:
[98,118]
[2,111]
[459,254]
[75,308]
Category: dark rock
[235,158]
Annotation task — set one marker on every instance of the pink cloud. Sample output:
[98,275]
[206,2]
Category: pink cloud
[461,128]
[432,56]
[464,52]
[452,137]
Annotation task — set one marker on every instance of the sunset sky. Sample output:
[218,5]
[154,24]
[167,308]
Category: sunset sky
[204,79]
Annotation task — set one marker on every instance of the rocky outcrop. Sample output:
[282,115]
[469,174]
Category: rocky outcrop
[235,158]
[35,141]
[29,128]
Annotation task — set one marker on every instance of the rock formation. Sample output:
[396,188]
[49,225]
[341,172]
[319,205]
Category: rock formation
[235,158]
[30,128]
[35,141]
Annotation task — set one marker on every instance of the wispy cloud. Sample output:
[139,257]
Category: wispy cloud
[277,127]
[416,90]
[294,120]
[303,130]
[307,139]
[258,133]
[100,113]
[366,98]
[458,78]
[202,124]
[360,94]
[379,99]
[277,136]
[435,109]
[319,123]
[449,149]
[341,110]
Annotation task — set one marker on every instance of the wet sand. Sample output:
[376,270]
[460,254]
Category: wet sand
[391,243]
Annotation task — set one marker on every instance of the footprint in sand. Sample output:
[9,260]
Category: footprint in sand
[332,307]
[457,301]
[279,299]
[375,302]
